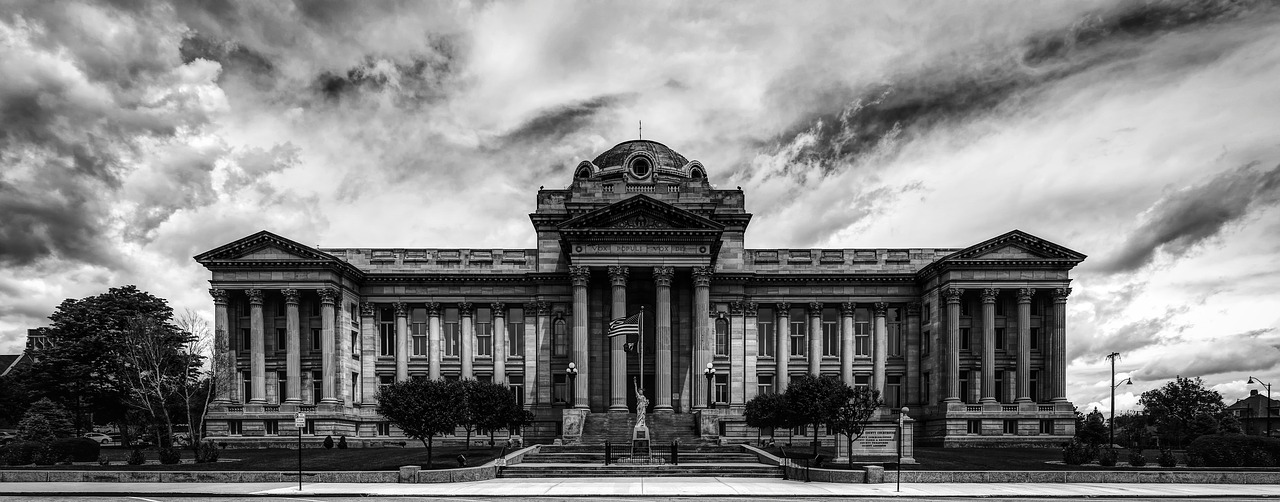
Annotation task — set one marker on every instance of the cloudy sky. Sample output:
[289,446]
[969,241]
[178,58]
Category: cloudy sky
[1145,134]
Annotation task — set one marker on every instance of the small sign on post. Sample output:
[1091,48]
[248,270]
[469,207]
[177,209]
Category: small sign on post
[300,422]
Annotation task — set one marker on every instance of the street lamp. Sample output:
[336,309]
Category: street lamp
[1268,406]
[1112,423]
[901,417]
[572,373]
[710,372]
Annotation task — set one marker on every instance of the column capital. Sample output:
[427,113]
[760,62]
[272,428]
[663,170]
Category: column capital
[433,309]
[736,307]
[255,296]
[464,309]
[544,307]
[989,295]
[1060,295]
[952,295]
[499,309]
[290,296]
[662,276]
[847,308]
[530,308]
[784,309]
[618,275]
[913,309]
[402,310]
[579,275]
[880,309]
[702,276]
[1025,294]
[815,309]
[219,296]
[368,309]
[750,308]
[328,295]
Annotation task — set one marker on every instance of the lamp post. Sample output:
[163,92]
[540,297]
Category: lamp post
[572,373]
[710,373]
[1268,406]
[1111,440]
[901,417]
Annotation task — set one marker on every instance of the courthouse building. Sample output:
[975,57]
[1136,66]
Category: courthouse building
[972,340]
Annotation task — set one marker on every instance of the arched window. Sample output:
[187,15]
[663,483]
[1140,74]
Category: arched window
[696,174]
[583,173]
[559,338]
[722,337]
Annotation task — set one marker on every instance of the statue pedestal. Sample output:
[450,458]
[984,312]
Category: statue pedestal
[640,442]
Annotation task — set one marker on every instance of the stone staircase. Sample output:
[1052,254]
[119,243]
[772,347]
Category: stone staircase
[696,460]
[663,428]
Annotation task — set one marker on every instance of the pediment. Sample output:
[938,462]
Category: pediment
[640,213]
[1016,246]
[263,246]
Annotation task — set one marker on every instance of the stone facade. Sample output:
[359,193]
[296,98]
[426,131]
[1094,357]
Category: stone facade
[972,340]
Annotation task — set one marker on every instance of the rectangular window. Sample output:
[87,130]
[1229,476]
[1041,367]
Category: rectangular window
[798,332]
[281,340]
[310,427]
[926,340]
[1002,393]
[722,388]
[355,387]
[385,381]
[245,340]
[314,308]
[722,337]
[964,387]
[315,339]
[559,389]
[516,384]
[1046,426]
[764,384]
[317,386]
[386,331]
[964,308]
[1000,340]
[764,332]
[893,391]
[1011,427]
[483,332]
[271,427]
[965,339]
[974,427]
[515,333]
[355,344]
[559,337]
[452,332]
[235,427]
[1035,338]
[382,428]
[893,329]
[279,308]
[830,332]
[282,386]
[418,329]
[999,307]
[926,387]
[861,380]
[926,313]
[862,332]
[1033,381]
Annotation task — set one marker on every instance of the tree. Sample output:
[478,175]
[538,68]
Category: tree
[201,384]
[816,401]
[768,410]
[493,406]
[44,421]
[1183,410]
[1094,430]
[153,371]
[854,415]
[422,409]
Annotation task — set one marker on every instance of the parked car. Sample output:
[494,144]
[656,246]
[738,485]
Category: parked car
[7,437]
[99,437]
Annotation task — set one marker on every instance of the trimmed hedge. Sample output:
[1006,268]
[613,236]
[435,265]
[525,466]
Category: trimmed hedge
[1235,450]
[19,453]
[77,449]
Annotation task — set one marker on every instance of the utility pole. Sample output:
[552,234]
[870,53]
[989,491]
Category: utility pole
[1111,440]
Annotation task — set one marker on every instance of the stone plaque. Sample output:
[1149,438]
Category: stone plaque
[877,442]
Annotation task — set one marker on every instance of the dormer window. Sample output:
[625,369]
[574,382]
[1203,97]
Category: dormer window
[640,166]
[583,173]
[696,174]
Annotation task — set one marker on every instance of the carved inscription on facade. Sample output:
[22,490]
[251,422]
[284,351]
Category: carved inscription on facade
[658,249]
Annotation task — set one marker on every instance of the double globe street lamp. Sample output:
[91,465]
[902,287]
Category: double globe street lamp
[572,373]
[710,373]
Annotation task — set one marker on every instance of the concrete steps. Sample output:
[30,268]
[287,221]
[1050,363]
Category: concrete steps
[617,427]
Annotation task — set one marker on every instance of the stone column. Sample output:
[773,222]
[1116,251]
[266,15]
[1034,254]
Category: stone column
[1024,344]
[257,348]
[782,343]
[815,338]
[542,353]
[618,360]
[402,341]
[329,370]
[434,329]
[737,353]
[913,354]
[224,361]
[293,342]
[1058,347]
[499,326]
[368,352]
[846,342]
[468,349]
[879,345]
[530,358]
[952,297]
[579,275]
[701,320]
[662,311]
[989,344]
[751,350]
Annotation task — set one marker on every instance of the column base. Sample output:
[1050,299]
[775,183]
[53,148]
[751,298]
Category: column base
[1022,400]
[257,401]
[988,400]
[292,401]
[663,409]
[619,409]
[1058,400]
[951,400]
[329,400]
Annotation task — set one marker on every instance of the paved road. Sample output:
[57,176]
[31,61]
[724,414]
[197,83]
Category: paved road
[123,498]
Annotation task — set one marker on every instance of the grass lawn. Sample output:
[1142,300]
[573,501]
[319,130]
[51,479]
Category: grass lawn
[313,459]
[981,459]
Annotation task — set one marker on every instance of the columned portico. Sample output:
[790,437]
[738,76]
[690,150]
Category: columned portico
[846,342]
[782,350]
[815,338]
[1058,347]
[468,340]
[327,341]
[1024,345]
[952,297]
[702,336]
[257,348]
[989,344]
[880,339]
[618,364]
[224,361]
[433,340]
[293,357]
[662,277]
[402,341]
[499,310]
[580,275]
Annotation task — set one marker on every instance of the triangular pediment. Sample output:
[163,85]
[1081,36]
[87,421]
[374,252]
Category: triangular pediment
[640,213]
[263,246]
[1016,246]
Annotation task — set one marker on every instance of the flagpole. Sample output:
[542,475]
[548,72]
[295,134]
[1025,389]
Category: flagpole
[642,389]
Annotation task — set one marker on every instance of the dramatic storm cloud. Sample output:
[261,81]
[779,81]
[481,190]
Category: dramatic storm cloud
[134,135]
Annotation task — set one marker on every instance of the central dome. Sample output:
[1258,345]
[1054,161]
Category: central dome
[665,157]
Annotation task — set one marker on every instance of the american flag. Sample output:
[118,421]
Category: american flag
[625,326]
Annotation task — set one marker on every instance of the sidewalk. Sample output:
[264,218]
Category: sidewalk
[654,487]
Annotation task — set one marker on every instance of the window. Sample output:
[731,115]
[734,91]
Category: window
[926,313]
[386,331]
[974,427]
[764,384]
[272,427]
[452,332]
[1002,393]
[861,380]
[722,337]
[355,344]
[798,332]
[722,388]
[353,310]
[999,307]
[893,329]
[385,381]
[1000,340]
[964,308]
[314,308]
[1011,427]
[246,387]
[282,386]
[862,332]
[279,308]
[964,387]
[418,329]
[764,332]
[483,332]
[242,306]
[925,341]
[830,332]
[925,387]
[245,340]
[382,428]
[893,391]
[282,342]
[235,427]
[1033,381]
[560,337]
[355,387]
[1046,426]
[515,333]
[516,384]
[317,387]
[315,338]
[310,427]
[964,339]
[1035,338]
[560,389]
